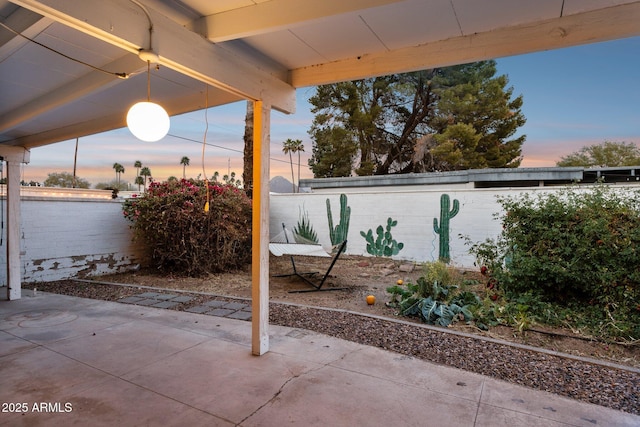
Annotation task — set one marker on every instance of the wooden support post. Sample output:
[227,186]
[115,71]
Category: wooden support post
[13,156]
[260,230]
[14,290]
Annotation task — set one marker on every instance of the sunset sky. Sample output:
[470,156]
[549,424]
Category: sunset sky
[572,98]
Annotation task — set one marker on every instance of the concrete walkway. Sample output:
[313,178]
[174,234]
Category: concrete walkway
[72,361]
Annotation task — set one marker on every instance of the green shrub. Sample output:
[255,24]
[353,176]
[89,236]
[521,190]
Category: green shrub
[441,272]
[575,245]
[183,236]
[572,248]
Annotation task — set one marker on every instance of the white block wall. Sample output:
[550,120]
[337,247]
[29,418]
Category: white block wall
[413,209]
[63,238]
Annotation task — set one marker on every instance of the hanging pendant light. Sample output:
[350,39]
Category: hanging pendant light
[147,120]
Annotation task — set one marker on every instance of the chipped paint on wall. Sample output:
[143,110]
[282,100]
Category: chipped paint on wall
[63,238]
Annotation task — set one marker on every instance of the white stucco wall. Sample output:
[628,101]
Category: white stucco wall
[71,237]
[414,210]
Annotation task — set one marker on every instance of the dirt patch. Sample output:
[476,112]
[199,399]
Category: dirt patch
[362,276]
[357,276]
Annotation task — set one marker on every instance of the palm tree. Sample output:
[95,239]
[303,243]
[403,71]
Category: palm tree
[145,172]
[184,162]
[137,165]
[139,181]
[119,169]
[287,148]
[290,146]
[297,148]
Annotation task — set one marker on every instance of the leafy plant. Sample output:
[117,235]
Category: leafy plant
[384,244]
[435,303]
[489,254]
[439,308]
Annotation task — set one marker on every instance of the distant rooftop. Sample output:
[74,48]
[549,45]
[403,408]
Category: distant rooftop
[484,178]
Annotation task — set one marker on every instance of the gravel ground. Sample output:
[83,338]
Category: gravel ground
[595,383]
[605,386]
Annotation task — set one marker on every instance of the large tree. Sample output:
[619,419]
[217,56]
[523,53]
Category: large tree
[451,118]
[605,154]
[65,180]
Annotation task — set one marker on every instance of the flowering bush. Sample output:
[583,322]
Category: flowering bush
[187,231]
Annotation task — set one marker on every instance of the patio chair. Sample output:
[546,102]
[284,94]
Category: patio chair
[290,247]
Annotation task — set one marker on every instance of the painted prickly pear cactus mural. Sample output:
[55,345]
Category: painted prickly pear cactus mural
[384,244]
[338,234]
[446,213]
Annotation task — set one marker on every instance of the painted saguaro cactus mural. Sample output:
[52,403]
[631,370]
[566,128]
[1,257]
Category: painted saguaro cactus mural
[338,234]
[446,213]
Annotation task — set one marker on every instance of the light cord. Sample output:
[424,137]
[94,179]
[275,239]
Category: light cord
[204,144]
[118,75]
[206,129]
[148,81]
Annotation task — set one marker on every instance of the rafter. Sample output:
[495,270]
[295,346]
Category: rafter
[123,24]
[589,27]
[77,89]
[275,14]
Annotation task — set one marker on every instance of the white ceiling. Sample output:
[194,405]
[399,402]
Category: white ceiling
[253,49]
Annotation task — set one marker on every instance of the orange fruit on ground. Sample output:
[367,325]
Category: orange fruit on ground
[371,299]
[399,282]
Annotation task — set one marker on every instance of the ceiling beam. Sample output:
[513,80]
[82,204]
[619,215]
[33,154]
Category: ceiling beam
[14,154]
[125,24]
[188,103]
[64,133]
[275,15]
[590,27]
[77,89]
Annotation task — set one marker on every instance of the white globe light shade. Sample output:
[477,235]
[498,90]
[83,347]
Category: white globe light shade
[148,121]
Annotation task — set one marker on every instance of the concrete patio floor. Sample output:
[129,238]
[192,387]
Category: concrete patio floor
[102,363]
